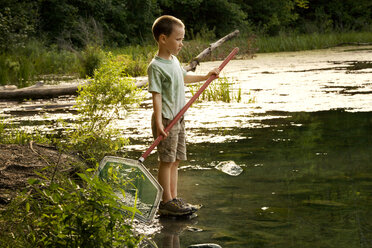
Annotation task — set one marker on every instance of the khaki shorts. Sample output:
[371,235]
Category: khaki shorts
[174,146]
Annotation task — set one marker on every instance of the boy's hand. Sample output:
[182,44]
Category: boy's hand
[160,131]
[214,71]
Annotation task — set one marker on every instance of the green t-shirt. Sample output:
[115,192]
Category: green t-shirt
[167,78]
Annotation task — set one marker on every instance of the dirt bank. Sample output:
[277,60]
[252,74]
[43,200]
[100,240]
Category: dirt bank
[19,162]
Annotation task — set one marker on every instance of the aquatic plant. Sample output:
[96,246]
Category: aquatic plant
[219,90]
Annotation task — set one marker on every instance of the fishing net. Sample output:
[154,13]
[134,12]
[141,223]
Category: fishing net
[133,184]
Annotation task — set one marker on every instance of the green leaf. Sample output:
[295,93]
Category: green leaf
[33,181]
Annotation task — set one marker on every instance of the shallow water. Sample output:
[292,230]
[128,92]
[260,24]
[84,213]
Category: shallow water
[305,149]
[304,145]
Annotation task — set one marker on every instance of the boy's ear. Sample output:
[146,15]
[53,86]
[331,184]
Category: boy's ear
[162,38]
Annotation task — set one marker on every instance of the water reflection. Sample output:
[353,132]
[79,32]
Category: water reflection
[305,185]
[172,229]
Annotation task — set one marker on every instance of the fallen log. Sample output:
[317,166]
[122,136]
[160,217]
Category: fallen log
[41,91]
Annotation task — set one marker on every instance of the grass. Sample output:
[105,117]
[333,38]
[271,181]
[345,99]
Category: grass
[10,134]
[294,42]
[27,64]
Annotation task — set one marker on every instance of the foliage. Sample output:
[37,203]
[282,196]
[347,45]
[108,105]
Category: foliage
[63,211]
[327,16]
[269,17]
[58,212]
[121,21]
[24,65]
[99,104]
[117,23]
[18,21]
[34,61]
[136,58]
[90,59]
[132,67]
[201,15]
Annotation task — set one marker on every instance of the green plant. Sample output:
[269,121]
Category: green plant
[101,102]
[132,67]
[218,90]
[32,61]
[90,59]
[11,135]
[295,42]
[136,58]
[60,212]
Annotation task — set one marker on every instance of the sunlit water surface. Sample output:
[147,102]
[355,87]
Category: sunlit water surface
[301,134]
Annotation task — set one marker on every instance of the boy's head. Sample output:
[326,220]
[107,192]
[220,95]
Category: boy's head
[165,25]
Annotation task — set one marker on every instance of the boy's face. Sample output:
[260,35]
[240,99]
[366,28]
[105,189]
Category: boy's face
[173,42]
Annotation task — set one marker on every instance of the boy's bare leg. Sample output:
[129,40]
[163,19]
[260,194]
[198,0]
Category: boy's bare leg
[164,178]
[167,177]
[174,179]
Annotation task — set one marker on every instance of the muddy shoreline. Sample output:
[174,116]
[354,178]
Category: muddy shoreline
[18,163]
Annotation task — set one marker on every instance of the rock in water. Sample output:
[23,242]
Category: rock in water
[230,168]
[205,246]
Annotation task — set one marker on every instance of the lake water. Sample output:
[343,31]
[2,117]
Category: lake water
[302,135]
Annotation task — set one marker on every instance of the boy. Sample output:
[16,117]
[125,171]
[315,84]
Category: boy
[166,83]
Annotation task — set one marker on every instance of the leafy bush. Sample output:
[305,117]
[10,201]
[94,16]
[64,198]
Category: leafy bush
[99,104]
[59,212]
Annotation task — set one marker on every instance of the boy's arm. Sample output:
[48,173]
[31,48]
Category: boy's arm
[197,78]
[157,105]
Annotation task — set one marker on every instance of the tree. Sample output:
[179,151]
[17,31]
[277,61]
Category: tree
[18,21]
[222,16]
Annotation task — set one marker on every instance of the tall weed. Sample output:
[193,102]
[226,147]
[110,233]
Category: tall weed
[26,64]
[219,90]
[90,59]
[299,42]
